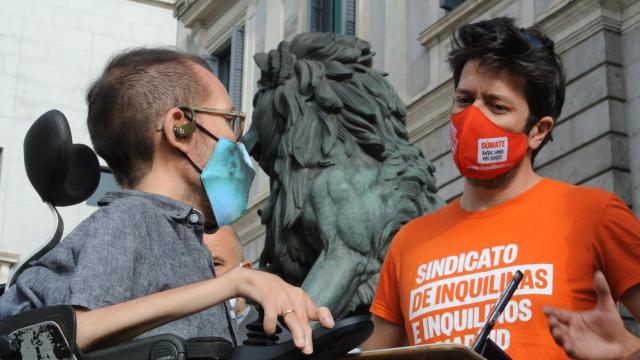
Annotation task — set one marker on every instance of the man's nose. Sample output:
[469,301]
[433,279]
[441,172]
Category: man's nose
[483,107]
[480,105]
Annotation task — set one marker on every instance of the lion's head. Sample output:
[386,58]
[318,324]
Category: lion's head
[320,90]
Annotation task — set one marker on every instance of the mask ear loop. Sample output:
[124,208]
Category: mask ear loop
[546,140]
[189,128]
[192,124]
[217,139]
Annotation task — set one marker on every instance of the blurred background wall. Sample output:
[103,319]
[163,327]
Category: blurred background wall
[50,51]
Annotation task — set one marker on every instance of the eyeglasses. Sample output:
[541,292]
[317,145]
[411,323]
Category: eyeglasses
[235,119]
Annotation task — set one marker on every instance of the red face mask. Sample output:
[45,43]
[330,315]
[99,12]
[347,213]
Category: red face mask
[482,149]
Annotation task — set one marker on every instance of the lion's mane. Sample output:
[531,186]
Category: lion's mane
[320,104]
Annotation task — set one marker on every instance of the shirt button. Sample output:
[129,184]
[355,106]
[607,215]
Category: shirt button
[194,218]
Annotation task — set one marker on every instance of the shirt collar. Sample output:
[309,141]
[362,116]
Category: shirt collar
[170,207]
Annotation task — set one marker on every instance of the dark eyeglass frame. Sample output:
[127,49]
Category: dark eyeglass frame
[235,119]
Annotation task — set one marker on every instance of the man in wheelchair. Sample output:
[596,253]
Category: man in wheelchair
[137,267]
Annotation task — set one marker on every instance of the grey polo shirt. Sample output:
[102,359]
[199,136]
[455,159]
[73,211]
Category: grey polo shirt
[136,244]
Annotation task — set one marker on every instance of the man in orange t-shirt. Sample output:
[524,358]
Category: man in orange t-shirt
[444,271]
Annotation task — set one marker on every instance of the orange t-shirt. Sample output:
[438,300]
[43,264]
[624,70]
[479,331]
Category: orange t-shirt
[445,270]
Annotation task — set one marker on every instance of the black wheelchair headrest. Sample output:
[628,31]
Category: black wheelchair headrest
[63,173]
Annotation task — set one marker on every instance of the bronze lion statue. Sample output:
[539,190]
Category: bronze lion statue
[329,131]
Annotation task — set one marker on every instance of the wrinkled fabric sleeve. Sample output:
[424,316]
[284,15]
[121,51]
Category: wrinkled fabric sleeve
[13,302]
[618,246]
[386,302]
[94,266]
[44,283]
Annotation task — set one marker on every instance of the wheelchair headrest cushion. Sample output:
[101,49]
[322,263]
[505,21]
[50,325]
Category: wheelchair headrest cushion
[63,173]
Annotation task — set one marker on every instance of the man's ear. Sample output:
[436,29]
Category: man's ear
[173,119]
[246,264]
[539,132]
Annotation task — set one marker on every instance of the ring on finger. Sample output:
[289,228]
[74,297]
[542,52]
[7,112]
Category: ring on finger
[287,312]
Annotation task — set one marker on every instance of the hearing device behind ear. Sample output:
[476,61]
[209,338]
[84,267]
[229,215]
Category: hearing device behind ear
[190,126]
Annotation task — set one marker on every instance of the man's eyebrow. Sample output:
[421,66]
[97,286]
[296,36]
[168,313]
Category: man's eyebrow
[499,97]
[463,91]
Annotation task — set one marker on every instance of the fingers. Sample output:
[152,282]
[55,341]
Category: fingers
[321,314]
[558,330]
[306,310]
[563,316]
[297,330]
[561,335]
[291,310]
[280,299]
[301,313]
[558,321]
[270,317]
[325,317]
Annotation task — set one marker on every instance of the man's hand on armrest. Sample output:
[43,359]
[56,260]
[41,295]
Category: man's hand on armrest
[385,335]
[114,324]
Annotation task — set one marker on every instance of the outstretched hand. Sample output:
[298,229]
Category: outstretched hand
[280,299]
[597,334]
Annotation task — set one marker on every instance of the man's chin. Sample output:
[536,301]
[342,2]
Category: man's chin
[496,183]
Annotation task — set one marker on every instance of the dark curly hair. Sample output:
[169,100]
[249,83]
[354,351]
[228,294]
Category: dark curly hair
[499,45]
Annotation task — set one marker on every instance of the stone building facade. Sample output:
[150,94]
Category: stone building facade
[597,138]
[49,53]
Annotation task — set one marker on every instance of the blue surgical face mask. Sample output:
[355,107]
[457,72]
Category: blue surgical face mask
[227,178]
